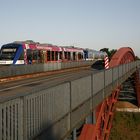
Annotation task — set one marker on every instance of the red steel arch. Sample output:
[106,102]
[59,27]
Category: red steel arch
[104,112]
[123,55]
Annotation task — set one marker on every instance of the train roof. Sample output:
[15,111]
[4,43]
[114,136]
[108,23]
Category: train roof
[10,44]
[36,45]
[72,49]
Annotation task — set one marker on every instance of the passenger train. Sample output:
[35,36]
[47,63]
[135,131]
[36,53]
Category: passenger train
[29,52]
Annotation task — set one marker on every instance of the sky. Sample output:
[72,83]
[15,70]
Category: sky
[92,24]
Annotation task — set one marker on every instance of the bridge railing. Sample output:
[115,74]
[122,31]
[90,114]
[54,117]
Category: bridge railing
[11,120]
[59,108]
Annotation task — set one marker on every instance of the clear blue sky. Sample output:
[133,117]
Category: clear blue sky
[84,23]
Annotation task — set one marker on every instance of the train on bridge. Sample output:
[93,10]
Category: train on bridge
[29,52]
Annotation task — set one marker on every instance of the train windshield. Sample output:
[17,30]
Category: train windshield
[8,52]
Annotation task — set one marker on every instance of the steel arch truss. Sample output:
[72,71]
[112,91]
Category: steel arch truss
[122,56]
[104,112]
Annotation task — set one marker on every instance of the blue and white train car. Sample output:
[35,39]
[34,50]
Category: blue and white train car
[90,54]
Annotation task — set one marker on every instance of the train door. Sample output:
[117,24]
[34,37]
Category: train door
[29,56]
[80,55]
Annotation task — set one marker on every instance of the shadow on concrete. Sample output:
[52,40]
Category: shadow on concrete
[48,134]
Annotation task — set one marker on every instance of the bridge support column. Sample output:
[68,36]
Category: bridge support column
[89,119]
[94,116]
[74,136]
[104,113]
[137,86]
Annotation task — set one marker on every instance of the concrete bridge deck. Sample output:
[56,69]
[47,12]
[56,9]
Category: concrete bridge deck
[56,106]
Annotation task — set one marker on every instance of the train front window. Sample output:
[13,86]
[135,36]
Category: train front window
[8,53]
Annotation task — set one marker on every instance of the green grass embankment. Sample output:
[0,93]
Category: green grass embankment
[126,126]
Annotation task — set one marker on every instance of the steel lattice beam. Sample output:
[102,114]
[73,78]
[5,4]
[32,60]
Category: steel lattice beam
[104,112]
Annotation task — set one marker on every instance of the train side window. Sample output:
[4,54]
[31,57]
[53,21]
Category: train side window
[29,54]
[74,55]
[79,56]
[48,56]
[66,56]
[35,55]
[52,55]
[60,56]
[39,56]
[56,56]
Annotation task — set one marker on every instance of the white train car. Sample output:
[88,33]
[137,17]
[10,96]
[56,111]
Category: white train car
[90,54]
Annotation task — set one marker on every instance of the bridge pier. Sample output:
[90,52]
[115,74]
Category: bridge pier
[102,125]
[89,119]
[137,86]
[74,134]
[94,116]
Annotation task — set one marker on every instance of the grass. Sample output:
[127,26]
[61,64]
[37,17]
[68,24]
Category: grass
[126,126]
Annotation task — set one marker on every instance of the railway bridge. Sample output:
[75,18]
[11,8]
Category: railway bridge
[62,106]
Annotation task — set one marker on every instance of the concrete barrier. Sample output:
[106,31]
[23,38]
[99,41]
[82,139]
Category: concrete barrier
[16,70]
